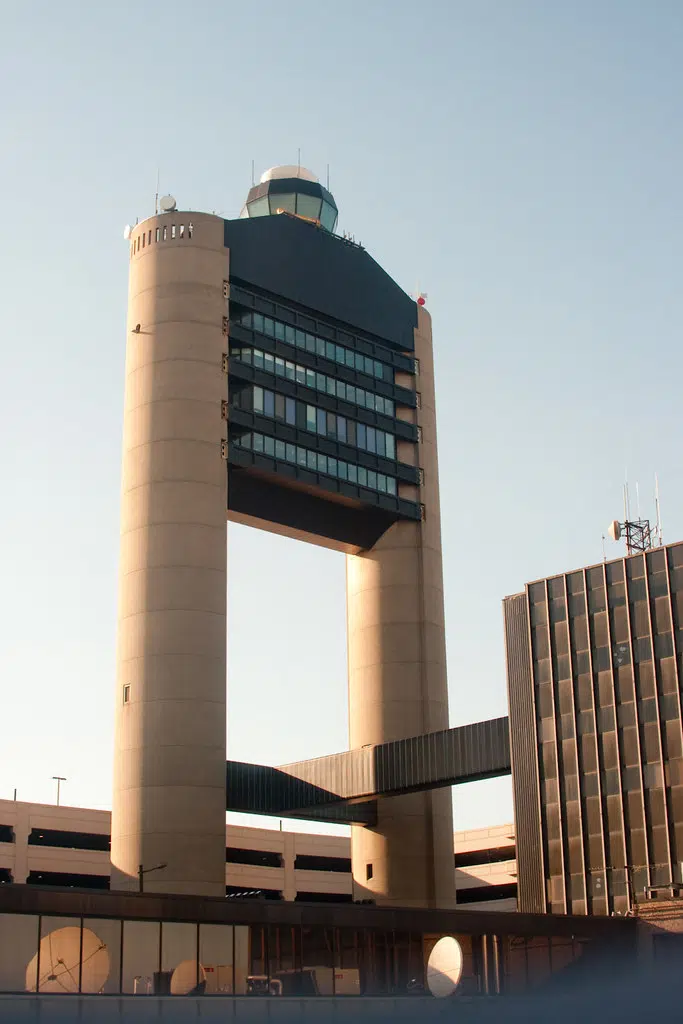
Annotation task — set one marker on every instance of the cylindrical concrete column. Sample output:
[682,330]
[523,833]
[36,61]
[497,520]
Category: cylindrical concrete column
[397,677]
[169,768]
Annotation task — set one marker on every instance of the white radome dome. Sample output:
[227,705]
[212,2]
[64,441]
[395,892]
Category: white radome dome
[287,171]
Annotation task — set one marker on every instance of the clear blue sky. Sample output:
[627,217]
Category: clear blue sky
[520,160]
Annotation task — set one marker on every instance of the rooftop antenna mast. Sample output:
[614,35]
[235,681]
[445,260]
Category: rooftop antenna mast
[298,159]
[658,512]
[156,196]
[328,177]
[253,181]
[638,533]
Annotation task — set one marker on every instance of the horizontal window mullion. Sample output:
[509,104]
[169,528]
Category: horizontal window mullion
[342,334]
[313,364]
[317,420]
[248,420]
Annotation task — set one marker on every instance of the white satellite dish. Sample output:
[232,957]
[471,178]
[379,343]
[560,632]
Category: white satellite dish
[126,231]
[62,959]
[186,976]
[167,204]
[444,967]
[614,529]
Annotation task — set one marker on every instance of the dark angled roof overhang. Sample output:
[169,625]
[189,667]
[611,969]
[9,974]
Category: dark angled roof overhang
[323,273]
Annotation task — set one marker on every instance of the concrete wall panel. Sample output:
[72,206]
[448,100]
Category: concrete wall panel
[397,678]
[169,771]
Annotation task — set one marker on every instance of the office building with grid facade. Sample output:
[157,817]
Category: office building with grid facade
[595,663]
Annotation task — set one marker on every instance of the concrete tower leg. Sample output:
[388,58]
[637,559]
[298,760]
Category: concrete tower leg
[397,677]
[169,767]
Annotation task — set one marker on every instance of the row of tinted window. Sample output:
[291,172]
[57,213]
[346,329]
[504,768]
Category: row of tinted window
[68,879]
[315,862]
[326,424]
[241,298]
[324,897]
[311,207]
[316,345]
[313,379]
[69,840]
[257,858]
[486,893]
[319,463]
[494,855]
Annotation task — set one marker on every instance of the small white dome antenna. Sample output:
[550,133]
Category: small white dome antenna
[127,231]
[167,204]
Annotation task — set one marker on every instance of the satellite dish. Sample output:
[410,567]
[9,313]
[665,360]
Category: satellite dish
[187,975]
[444,967]
[60,960]
[167,204]
[614,529]
[126,231]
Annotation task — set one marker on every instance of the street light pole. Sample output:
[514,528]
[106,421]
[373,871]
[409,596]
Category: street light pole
[59,779]
[142,871]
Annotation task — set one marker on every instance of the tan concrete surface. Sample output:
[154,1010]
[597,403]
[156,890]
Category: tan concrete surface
[397,676]
[169,770]
[20,858]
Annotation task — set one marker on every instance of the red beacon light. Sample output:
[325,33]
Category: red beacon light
[422,298]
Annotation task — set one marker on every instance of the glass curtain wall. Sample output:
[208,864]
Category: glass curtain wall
[71,955]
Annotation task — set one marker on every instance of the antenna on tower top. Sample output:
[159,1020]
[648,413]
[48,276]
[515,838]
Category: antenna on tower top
[298,159]
[328,177]
[638,533]
[156,196]
[253,181]
[658,512]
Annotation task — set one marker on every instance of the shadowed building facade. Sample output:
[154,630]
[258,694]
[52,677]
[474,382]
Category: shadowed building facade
[276,375]
[595,666]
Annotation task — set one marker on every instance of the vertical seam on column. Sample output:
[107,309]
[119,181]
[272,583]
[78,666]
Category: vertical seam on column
[429,795]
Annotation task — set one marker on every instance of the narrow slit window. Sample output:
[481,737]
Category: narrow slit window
[126,694]
[157,235]
[172,230]
[368,872]
[182,230]
[165,230]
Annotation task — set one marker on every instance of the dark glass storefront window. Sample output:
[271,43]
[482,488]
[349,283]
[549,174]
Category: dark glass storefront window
[626,713]
[664,645]
[643,649]
[640,619]
[614,572]
[558,610]
[635,567]
[579,630]
[669,707]
[658,585]
[602,659]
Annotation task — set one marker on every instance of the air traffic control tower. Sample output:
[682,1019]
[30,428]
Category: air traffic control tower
[278,377]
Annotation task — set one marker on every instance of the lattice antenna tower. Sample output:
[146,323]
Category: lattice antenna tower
[639,533]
